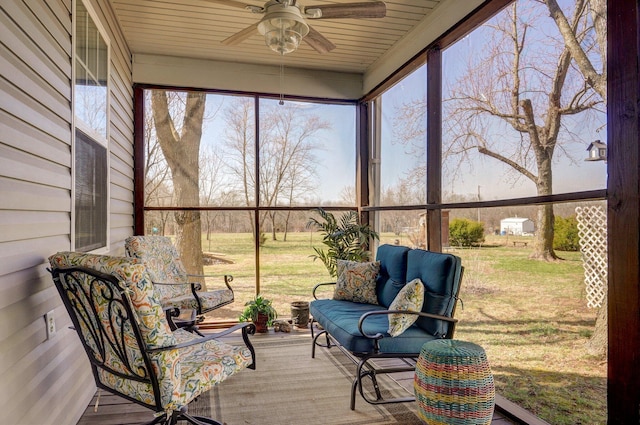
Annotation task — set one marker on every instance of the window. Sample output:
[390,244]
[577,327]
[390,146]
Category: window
[91,105]
[90,193]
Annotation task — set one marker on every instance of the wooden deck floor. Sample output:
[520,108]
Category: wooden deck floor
[114,410]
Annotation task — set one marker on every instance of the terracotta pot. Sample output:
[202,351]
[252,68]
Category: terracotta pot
[261,323]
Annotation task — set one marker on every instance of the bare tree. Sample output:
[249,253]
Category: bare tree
[348,195]
[287,148]
[212,190]
[157,181]
[298,182]
[594,73]
[178,126]
[240,154]
[287,145]
[525,93]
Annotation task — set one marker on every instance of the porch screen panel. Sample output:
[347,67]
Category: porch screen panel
[518,119]
[199,150]
[307,154]
[401,156]
[533,317]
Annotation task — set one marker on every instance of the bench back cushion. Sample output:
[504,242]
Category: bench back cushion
[393,272]
[441,275]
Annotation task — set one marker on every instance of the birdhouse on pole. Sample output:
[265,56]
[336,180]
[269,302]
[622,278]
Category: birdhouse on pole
[597,151]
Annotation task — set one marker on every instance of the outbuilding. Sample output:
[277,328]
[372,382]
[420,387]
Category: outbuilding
[516,226]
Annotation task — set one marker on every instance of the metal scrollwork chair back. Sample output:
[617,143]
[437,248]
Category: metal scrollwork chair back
[131,348]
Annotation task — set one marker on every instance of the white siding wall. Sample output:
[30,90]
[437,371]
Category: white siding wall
[48,381]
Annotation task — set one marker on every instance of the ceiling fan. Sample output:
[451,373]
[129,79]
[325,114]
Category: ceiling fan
[284,22]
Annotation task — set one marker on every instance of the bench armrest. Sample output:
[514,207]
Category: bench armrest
[319,285]
[377,337]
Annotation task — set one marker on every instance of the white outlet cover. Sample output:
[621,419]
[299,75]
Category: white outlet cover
[50,324]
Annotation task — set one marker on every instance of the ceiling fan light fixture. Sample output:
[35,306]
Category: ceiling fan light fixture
[283,28]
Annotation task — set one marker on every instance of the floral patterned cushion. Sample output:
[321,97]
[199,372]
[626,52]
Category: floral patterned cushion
[204,365]
[185,373]
[410,297]
[163,263]
[151,318]
[165,268]
[356,281]
[209,299]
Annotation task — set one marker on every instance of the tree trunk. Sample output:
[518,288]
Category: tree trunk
[543,241]
[182,151]
[598,343]
[286,225]
[272,218]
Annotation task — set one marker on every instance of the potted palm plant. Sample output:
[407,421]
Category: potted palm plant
[260,311]
[345,238]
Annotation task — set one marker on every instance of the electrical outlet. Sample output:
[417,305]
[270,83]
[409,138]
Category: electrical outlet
[50,323]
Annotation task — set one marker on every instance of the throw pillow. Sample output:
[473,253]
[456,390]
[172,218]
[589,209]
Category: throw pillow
[411,298]
[356,281]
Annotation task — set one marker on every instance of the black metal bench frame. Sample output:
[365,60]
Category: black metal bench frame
[363,361]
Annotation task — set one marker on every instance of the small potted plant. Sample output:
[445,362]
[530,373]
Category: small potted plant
[260,311]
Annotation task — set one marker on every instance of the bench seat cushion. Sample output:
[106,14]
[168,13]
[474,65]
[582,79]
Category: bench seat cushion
[340,319]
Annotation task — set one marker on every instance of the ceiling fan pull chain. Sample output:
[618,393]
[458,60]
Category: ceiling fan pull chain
[281,84]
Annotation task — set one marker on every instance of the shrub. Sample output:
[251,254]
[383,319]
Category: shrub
[465,232]
[565,236]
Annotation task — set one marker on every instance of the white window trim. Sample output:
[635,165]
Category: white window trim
[79,125]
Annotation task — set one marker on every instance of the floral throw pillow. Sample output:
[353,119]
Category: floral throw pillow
[410,297]
[357,281]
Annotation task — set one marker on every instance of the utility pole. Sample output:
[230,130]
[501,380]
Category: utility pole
[478,201]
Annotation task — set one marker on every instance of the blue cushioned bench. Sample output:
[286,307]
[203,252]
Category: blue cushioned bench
[360,330]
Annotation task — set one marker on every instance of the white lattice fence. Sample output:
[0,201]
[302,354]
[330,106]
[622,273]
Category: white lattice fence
[592,230]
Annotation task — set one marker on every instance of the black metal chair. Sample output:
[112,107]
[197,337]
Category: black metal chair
[131,348]
[179,291]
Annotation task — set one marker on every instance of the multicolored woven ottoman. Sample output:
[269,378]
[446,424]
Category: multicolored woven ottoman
[453,384]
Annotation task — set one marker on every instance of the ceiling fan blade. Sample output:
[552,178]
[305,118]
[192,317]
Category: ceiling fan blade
[241,35]
[318,41]
[373,9]
[232,3]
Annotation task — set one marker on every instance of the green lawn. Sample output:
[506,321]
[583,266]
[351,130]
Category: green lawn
[530,316]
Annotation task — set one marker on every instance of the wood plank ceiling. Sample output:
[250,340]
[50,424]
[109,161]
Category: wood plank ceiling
[196,28]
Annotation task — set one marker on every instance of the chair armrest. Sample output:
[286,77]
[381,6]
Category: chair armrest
[170,314]
[319,285]
[195,287]
[227,280]
[247,329]
[172,283]
[379,336]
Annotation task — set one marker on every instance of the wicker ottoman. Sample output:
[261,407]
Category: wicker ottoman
[453,384]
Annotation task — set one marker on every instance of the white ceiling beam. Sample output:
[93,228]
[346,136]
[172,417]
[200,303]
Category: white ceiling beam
[202,73]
